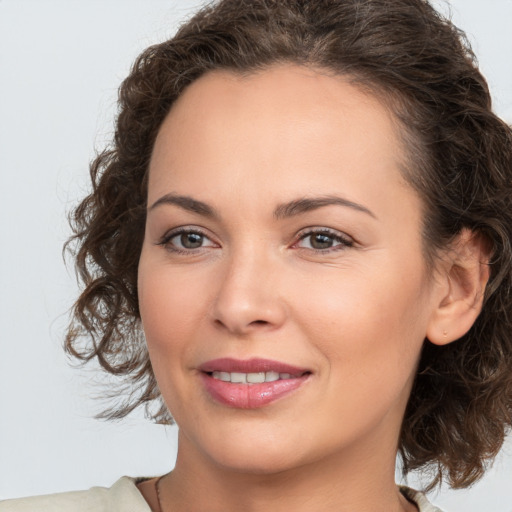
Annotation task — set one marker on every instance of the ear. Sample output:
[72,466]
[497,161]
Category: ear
[460,284]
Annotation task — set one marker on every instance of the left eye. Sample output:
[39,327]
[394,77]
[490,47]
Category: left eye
[321,240]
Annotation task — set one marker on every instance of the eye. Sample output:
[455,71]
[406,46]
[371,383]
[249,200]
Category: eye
[324,240]
[186,240]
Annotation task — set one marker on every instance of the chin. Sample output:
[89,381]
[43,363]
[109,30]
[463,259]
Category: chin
[258,453]
[261,463]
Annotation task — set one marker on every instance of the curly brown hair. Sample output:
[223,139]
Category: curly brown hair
[460,156]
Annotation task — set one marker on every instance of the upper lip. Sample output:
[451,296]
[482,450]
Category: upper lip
[255,365]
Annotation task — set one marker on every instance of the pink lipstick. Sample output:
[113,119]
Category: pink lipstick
[250,384]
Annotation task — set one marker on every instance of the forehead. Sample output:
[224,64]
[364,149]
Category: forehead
[290,126]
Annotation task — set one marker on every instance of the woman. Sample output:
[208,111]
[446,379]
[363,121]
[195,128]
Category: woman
[307,211]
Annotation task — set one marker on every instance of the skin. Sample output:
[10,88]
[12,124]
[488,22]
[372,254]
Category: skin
[356,315]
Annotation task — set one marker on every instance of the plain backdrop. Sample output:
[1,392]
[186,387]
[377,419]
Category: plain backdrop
[61,62]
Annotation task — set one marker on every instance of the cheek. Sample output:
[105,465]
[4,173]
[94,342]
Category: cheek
[370,336]
[169,311]
[169,307]
[371,323]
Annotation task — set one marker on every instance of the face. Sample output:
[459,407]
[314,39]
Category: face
[282,243]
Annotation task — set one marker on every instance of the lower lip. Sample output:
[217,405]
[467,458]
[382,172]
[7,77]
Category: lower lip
[250,396]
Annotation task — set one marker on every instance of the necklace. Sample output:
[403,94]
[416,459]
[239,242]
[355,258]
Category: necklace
[157,489]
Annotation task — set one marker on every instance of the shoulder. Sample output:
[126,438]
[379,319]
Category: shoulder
[123,496]
[416,497]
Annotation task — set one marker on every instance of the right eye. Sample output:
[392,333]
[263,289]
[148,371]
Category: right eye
[186,240]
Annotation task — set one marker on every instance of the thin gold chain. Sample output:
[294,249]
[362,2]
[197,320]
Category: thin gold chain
[157,489]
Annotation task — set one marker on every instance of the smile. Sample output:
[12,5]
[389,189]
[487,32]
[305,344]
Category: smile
[250,384]
[251,378]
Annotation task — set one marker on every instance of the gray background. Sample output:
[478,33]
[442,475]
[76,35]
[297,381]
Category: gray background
[61,62]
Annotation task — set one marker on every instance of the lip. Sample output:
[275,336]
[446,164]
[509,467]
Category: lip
[250,396]
[255,365]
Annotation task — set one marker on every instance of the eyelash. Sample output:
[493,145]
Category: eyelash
[344,241]
[166,240]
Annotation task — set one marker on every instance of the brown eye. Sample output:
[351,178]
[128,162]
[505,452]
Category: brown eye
[186,240]
[324,240]
[191,240]
[321,241]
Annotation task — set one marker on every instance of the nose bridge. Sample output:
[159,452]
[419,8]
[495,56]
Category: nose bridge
[248,296]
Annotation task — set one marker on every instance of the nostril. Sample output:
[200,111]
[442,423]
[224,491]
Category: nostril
[259,322]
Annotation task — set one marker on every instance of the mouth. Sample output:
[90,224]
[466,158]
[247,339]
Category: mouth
[252,378]
[250,384]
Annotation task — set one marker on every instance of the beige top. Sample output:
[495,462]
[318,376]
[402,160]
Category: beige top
[124,496]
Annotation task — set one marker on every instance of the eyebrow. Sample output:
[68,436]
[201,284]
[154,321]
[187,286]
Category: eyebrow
[187,203]
[306,204]
[284,210]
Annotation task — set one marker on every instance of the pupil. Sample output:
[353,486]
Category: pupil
[191,240]
[320,241]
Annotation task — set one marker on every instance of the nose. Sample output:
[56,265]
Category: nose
[249,298]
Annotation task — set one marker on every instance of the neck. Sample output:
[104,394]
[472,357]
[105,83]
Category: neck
[347,482]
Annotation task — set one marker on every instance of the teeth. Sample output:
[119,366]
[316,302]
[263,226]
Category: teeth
[238,377]
[271,376]
[250,378]
[255,378]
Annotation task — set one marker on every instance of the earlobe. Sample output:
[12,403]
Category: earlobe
[461,286]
